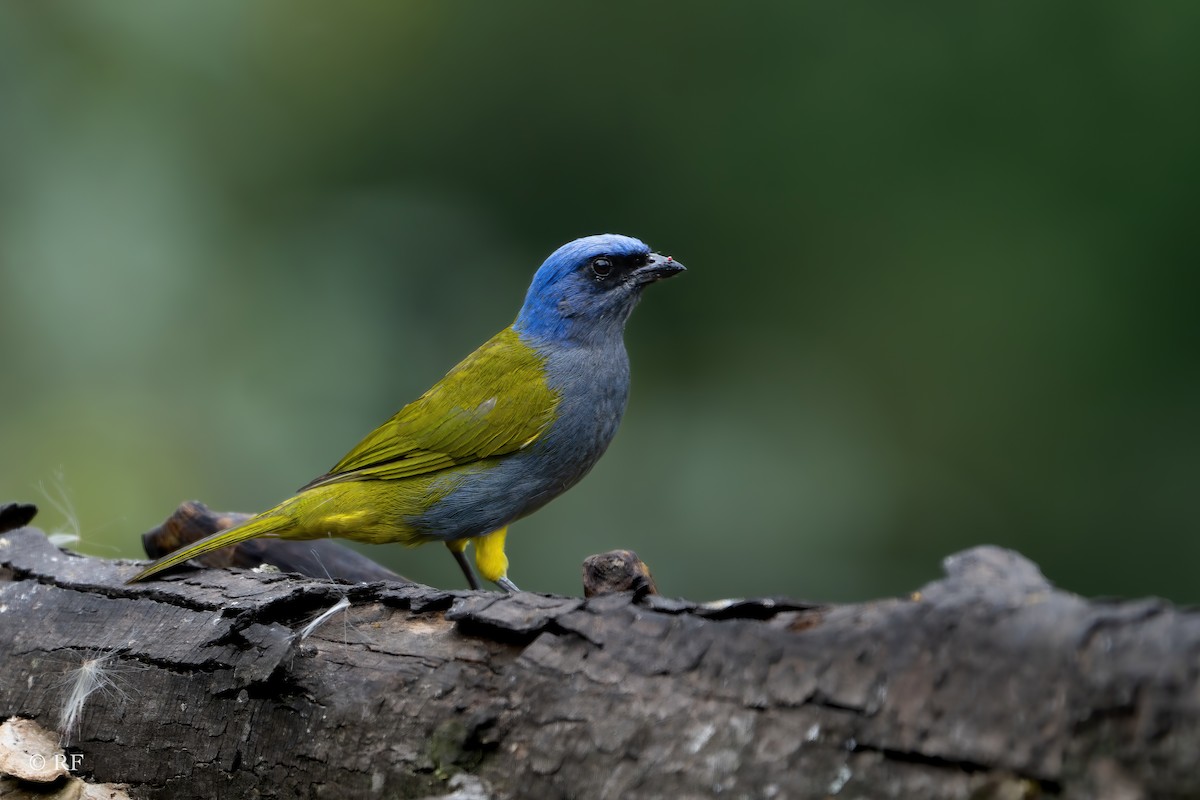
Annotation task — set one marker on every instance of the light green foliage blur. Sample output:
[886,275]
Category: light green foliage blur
[942,282]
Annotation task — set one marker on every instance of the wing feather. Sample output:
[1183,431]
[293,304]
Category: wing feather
[496,401]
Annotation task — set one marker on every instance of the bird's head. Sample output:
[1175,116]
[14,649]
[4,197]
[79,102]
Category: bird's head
[587,288]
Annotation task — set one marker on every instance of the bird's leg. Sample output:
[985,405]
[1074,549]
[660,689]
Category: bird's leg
[491,561]
[457,548]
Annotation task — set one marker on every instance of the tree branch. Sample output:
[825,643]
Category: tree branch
[986,683]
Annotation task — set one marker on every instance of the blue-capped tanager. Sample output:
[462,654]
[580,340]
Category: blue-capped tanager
[513,426]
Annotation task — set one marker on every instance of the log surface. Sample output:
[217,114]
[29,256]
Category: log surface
[986,683]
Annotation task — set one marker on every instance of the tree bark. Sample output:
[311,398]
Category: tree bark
[988,683]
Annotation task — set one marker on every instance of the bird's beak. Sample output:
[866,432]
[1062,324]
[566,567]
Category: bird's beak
[659,267]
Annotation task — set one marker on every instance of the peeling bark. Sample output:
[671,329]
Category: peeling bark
[988,683]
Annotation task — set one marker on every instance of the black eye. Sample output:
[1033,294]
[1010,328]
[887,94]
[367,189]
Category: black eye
[601,267]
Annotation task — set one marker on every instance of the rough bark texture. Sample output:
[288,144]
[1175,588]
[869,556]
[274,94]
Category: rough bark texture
[988,683]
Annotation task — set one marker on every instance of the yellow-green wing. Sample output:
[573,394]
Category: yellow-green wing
[495,402]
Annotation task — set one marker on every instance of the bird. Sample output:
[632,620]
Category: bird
[515,424]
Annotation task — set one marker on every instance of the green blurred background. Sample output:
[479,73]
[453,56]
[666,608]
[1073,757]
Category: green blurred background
[942,285]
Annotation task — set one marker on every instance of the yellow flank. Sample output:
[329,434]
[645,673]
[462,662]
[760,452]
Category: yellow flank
[343,523]
[489,555]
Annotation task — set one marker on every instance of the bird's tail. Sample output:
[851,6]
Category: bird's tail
[266,524]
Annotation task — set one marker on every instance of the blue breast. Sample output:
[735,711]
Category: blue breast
[593,385]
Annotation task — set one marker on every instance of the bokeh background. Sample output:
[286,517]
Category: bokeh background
[942,287]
